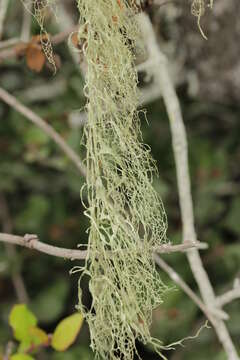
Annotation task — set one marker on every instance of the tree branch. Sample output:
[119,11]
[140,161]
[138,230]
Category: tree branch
[9,48]
[3,12]
[17,279]
[209,313]
[180,148]
[26,23]
[42,124]
[32,242]
[230,295]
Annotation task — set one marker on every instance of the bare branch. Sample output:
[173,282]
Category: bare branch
[230,295]
[32,242]
[26,23]
[180,148]
[9,43]
[3,12]
[183,285]
[16,276]
[188,245]
[42,124]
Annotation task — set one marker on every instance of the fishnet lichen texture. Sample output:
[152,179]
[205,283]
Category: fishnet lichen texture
[127,218]
[39,9]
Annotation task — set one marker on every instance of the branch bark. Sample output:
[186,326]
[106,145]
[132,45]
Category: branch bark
[3,12]
[32,242]
[180,148]
[230,295]
[17,279]
[183,285]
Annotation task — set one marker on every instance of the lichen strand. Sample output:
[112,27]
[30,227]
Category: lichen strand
[126,215]
[198,9]
[39,9]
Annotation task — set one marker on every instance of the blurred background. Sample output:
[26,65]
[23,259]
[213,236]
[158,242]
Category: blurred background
[40,188]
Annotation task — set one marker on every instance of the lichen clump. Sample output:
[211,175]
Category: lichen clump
[198,9]
[39,9]
[127,218]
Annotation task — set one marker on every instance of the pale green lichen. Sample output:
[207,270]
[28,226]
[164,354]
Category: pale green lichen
[198,9]
[127,218]
[39,9]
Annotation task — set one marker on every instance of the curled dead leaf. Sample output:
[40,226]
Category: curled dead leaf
[35,57]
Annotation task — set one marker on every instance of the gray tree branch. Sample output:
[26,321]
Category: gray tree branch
[180,148]
[32,242]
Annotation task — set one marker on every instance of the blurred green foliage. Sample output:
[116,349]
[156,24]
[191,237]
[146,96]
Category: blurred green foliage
[40,188]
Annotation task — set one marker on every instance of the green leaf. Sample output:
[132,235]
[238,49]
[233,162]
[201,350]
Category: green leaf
[21,357]
[66,332]
[38,335]
[21,320]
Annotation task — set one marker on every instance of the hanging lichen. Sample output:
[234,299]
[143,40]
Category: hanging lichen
[38,9]
[127,218]
[198,9]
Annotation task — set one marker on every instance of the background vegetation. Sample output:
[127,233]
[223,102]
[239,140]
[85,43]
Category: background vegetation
[39,190]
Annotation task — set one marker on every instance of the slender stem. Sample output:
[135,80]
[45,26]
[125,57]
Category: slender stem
[229,296]
[26,24]
[7,226]
[9,43]
[9,48]
[42,124]
[32,242]
[183,285]
[3,12]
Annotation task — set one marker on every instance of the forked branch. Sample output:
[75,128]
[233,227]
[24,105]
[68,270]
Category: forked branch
[180,148]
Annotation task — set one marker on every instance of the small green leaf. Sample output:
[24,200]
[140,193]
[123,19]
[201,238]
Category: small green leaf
[21,357]
[38,336]
[66,332]
[21,320]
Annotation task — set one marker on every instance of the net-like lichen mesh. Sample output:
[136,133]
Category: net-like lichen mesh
[39,9]
[126,215]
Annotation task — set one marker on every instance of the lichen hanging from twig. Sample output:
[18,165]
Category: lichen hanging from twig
[127,218]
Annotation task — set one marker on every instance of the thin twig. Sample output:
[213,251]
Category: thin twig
[9,43]
[230,295]
[32,242]
[167,248]
[16,276]
[26,23]
[42,124]
[10,47]
[183,285]
[8,350]
[180,149]
[3,12]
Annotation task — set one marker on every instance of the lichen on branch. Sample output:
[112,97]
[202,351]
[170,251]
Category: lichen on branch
[127,218]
